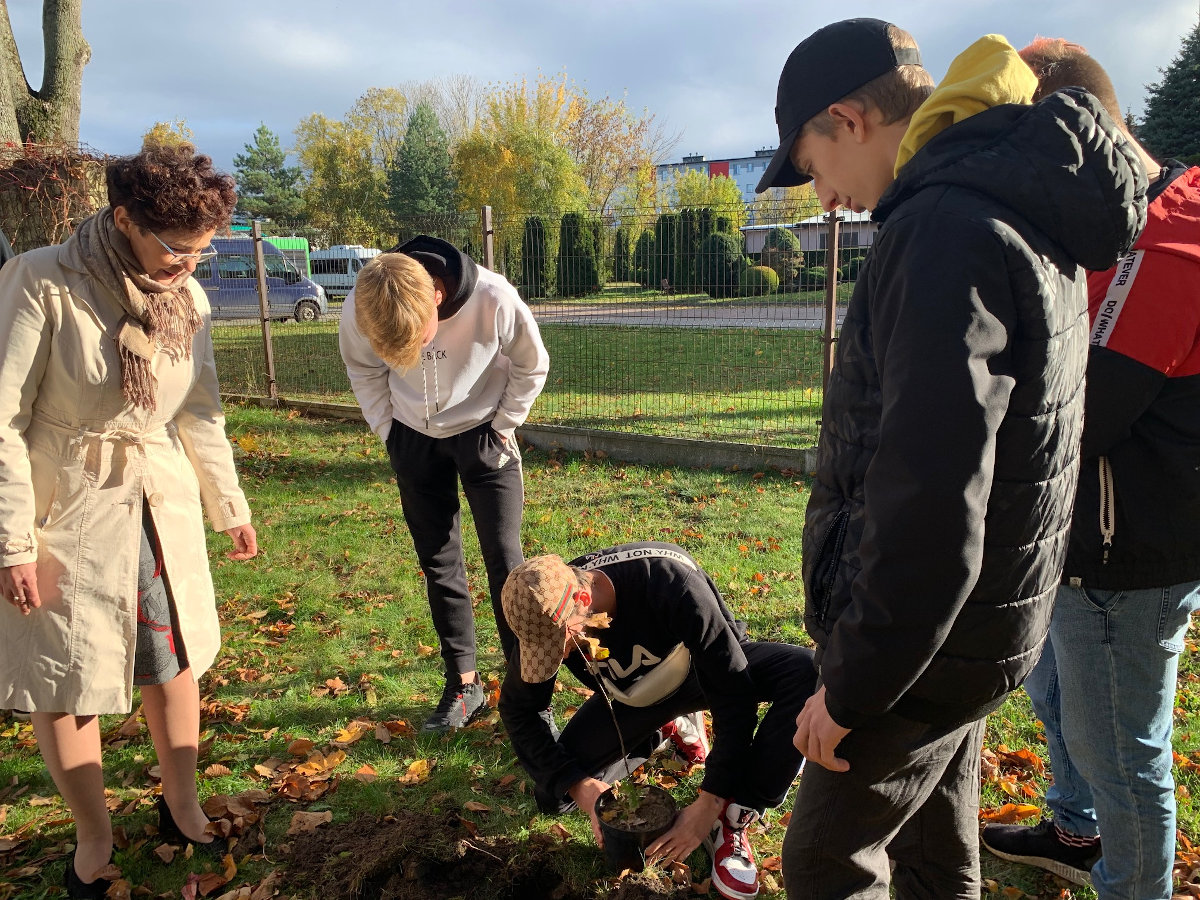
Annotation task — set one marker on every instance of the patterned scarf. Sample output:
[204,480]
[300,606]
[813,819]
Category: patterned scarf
[158,316]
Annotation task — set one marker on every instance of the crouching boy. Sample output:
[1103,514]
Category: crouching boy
[670,648]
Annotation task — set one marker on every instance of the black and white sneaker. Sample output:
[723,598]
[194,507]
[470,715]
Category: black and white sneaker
[460,704]
[1046,846]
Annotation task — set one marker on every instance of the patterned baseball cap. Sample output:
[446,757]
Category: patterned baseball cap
[538,600]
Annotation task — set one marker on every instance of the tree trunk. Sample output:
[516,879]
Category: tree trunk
[51,114]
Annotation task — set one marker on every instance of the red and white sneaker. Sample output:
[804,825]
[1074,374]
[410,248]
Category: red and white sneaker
[687,736]
[734,872]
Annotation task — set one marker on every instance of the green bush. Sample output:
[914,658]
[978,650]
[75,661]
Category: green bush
[622,259]
[814,277]
[578,261]
[695,224]
[850,270]
[599,236]
[758,280]
[666,248]
[720,264]
[781,252]
[533,257]
[643,259]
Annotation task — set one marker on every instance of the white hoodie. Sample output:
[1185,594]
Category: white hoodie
[486,363]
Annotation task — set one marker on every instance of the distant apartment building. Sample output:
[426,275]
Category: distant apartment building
[745,170]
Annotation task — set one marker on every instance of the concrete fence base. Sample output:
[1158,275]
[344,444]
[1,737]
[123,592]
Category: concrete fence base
[617,445]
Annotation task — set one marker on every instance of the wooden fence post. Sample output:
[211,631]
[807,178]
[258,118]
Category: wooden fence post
[833,221]
[260,266]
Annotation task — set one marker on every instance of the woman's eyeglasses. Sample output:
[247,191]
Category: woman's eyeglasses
[177,257]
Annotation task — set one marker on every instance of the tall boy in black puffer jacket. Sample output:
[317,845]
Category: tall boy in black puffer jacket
[937,527]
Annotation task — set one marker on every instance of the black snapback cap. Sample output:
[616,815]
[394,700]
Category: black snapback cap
[826,66]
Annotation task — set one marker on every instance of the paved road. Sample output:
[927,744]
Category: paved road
[780,315]
[763,315]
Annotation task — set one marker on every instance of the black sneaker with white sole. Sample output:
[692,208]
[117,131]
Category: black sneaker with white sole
[460,703]
[1046,846]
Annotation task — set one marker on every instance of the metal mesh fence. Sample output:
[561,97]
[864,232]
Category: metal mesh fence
[692,323]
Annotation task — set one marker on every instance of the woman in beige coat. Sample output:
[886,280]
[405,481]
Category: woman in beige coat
[112,449]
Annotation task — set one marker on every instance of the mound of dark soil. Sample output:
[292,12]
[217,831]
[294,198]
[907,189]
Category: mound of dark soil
[410,856]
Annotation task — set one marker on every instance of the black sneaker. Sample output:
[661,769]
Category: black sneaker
[1043,846]
[460,703]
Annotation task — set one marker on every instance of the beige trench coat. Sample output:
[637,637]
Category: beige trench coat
[75,464]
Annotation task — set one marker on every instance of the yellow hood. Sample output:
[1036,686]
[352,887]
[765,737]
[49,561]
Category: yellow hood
[988,73]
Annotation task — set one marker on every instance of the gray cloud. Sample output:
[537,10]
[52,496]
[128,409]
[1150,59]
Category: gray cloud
[707,69]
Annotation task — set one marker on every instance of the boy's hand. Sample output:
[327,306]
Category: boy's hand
[585,794]
[817,735]
[689,831]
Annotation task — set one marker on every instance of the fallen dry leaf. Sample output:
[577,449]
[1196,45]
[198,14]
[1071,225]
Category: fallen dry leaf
[211,881]
[366,773]
[132,726]
[418,771]
[1009,813]
[301,747]
[476,806]
[352,732]
[308,821]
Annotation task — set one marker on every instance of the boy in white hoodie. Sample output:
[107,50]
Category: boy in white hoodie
[446,360]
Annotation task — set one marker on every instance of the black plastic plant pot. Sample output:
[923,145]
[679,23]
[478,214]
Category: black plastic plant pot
[631,820]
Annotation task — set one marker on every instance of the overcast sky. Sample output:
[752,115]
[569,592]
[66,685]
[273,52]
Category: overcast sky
[706,68]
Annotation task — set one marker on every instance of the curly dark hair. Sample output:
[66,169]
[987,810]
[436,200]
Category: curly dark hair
[171,189]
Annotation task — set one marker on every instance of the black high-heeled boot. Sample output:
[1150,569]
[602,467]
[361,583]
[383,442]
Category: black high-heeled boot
[169,832]
[81,890]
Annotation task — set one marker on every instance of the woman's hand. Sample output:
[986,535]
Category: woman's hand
[585,794]
[689,831]
[18,585]
[245,542]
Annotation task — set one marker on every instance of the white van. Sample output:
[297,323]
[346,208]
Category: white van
[336,269]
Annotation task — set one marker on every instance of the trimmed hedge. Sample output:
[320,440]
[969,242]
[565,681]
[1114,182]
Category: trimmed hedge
[578,260]
[781,251]
[720,264]
[533,257]
[758,280]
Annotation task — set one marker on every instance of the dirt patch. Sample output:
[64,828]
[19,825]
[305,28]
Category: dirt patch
[410,856]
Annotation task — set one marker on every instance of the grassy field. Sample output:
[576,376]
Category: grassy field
[329,660]
[752,385]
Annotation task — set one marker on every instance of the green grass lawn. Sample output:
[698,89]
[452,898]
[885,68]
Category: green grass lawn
[750,385]
[329,626]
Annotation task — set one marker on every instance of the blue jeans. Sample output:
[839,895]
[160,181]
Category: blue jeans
[1105,691]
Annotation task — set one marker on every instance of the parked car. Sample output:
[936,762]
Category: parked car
[231,283]
[337,268]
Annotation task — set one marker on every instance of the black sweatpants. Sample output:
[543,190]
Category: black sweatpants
[428,471]
[784,676]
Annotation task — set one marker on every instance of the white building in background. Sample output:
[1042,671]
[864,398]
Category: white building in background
[857,230]
[745,170]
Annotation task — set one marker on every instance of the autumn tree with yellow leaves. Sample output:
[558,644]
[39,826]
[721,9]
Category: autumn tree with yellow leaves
[345,164]
[547,146]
